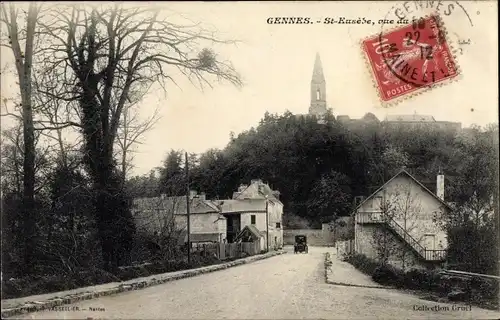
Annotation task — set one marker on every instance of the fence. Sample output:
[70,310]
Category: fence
[224,251]
[469,274]
[345,248]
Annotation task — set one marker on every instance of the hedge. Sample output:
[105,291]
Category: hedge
[473,289]
[34,285]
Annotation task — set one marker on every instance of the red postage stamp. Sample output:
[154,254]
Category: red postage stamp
[410,58]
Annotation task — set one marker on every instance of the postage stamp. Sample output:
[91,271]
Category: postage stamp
[410,59]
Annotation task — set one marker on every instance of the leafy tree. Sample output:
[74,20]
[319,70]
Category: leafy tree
[330,197]
[473,224]
[172,175]
[143,186]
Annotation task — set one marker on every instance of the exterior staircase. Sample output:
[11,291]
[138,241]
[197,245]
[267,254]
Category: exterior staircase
[392,225]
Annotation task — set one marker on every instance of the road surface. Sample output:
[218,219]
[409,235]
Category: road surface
[283,287]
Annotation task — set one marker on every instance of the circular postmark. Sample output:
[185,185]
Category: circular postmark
[416,52]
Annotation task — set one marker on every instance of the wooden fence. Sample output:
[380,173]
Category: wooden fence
[224,251]
[464,274]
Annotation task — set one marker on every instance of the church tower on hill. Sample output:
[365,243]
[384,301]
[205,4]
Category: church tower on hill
[318,90]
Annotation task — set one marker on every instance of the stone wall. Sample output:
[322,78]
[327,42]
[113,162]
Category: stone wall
[202,223]
[326,236]
[315,237]
[343,230]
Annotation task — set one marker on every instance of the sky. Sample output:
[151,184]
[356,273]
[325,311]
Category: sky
[276,61]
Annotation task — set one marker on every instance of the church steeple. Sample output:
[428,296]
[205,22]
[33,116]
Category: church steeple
[318,90]
[318,75]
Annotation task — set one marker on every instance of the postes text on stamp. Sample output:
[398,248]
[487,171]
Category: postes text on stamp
[410,58]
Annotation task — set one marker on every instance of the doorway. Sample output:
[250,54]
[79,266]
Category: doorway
[430,241]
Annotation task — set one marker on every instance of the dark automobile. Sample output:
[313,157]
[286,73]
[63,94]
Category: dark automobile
[300,244]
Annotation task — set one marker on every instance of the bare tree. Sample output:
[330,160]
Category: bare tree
[382,238]
[16,35]
[404,209]
[103,55]
[130,133]
[156,217]
[56,119]
[12,160]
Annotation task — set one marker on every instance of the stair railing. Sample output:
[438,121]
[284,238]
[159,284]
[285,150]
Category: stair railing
[406,236]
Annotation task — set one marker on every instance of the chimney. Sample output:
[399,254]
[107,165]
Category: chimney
[261,188]
[259,181]
[440,185]
[203,196]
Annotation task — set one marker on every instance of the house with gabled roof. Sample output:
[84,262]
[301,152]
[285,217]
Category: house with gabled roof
[258,206]
[168,216]
[399,222]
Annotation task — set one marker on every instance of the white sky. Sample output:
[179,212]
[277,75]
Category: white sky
[276,63]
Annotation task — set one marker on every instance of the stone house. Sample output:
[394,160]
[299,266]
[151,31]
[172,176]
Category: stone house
[168,216]
[398,222]
[255,205]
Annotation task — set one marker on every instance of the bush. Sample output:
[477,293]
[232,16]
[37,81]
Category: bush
[388,275]
[93,277]
[422,280]
[16,287]
[446,284]
[362,263]
[129,273]
[26,286]
[483,289]
[55,284]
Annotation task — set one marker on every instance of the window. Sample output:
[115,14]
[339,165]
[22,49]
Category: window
[318,95]
[376,203]
[252,219]
[278,225]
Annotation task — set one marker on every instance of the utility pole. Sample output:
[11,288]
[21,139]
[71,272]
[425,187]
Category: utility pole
[267,224]
[187,211]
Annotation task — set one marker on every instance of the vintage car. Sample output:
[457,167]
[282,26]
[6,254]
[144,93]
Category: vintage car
[300,244]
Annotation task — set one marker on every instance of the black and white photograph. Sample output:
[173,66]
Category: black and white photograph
[249,160]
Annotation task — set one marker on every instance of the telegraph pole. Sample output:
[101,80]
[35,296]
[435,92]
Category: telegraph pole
[267,223]
[187,210]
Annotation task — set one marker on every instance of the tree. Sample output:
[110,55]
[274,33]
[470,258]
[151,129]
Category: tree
[382,238]
[24,66]
[211,174]
[13,155]
[331,197]
[403,208]
[102,56]
[172,180]
[130,132]
[157,226]
[473,190]
[144,186]
[68,228]
[393,160]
